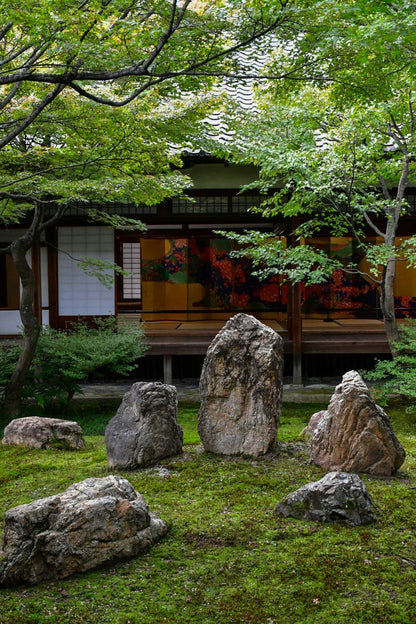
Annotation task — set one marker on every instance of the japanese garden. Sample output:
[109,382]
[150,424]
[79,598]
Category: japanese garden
[207,312]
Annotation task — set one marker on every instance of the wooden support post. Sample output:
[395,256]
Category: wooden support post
[52,242]
[167,369]
[296,334]
[294,315]
[37,304]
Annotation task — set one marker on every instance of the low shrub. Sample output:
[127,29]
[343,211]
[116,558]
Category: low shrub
[397,376]
[63,360]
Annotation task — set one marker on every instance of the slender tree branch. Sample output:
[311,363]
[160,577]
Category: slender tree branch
[114,103]
[10,95]
[54,219]
[373,225]
[48,99]
[412,115]
[85,163]
[5,250]
[364,273]
[350,225]
[382,182]
[5,29]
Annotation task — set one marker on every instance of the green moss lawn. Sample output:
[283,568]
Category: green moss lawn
[227,558]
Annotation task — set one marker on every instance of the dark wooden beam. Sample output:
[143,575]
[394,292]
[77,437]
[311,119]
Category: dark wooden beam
[37,303]
[52,242]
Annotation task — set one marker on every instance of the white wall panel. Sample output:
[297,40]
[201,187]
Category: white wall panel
[45,317]
[10,323]
[80,294]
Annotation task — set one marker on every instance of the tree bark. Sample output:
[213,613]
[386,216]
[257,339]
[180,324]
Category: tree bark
[387,303]
[13,391]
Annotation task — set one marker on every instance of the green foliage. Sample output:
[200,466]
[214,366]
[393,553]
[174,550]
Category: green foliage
[85,155]
[9,352]
[115,52]
[271,256]
[397,376]
[63,360]
[334,143]
[228,558]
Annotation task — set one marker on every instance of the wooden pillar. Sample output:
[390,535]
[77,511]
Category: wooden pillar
[295,316]
[167,369]
[296,333]
[37,304]
[52,241]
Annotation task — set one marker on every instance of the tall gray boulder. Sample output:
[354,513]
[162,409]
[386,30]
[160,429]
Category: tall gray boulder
[145,428]
[355,434]
[241,389]
[93,522]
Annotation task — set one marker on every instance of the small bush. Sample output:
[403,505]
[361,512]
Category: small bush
[398,375]
[64,360]
[9,352]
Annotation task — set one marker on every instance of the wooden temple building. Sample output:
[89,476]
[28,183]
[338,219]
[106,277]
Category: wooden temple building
[183,284]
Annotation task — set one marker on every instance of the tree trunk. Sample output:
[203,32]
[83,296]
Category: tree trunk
[13,391]
[387,303]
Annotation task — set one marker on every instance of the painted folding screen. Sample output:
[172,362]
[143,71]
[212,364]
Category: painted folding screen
[352,294]
[345,293]
[198,274]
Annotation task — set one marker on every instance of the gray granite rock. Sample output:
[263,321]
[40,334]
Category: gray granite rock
[145,428]
[93,522]
[41,432]
[241,389]
[337,497]
[355,434]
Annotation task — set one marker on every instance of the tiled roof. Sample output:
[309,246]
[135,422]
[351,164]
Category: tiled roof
[237,88]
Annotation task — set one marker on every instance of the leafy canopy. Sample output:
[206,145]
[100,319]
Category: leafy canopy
[333,144]
[78,152]
[86,46]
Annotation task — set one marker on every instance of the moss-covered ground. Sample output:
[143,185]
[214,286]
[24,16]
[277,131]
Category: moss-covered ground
[227,557]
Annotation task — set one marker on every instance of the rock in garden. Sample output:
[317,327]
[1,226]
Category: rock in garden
[40,432]
[338,497]
[241,389]
[355,434]
[93,522]
[309,431]
[145,428]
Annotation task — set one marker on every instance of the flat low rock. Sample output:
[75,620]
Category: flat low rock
[145,428]
[94,522]
[241,389]
[337,497]
[354,434]
[41,432]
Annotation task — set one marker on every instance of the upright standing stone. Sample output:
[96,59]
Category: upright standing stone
[145,428]
[355,434]
[241,389]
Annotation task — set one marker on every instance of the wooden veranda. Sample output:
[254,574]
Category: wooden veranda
[317,336]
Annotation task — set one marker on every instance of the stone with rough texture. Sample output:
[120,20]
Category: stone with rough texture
[93,522]
[309,431]
[355,434]
[145,428]
[337,497]
[40,432]
[241,389]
